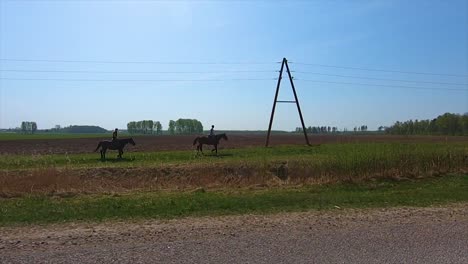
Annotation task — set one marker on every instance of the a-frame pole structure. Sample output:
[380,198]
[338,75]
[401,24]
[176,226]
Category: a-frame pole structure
[285,63]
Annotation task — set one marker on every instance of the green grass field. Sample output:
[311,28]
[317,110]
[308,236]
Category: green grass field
[166,205]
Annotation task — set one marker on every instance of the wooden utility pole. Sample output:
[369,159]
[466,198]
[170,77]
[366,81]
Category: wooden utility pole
[285,63]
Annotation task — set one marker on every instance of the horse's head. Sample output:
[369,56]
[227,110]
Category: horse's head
[224,136]
[132,142]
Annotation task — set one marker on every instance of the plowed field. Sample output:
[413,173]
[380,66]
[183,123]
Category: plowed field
[156,143]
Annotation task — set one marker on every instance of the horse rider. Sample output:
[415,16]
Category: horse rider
[212,133]
[114,135]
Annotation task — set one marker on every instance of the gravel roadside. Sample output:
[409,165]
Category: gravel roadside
[393,235]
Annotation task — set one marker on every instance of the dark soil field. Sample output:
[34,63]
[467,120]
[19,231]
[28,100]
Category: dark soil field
[157,143]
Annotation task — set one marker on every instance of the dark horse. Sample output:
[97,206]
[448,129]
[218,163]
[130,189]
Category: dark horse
[209,141]
[118,144]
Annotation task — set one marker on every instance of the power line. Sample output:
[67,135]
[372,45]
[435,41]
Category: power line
[380,79]
[137,62]
[380,70]
[233,71]
[222,80]
[66,71]
[138,80]
[228,71]
[384,85]
[226,63]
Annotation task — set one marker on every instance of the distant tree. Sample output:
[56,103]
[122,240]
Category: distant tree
[157,127]
[185,126]
[139,126]
[23,127]
[179,126]
[129,128]
[28,127]
[145,127]
[446,124]
[134,125]
[33,127]
[464,124]
[150,126]
[171,127]
[198,127]
[142,126]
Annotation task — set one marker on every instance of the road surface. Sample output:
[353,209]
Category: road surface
[398,235]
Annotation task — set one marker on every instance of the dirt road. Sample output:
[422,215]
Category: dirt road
[404,235]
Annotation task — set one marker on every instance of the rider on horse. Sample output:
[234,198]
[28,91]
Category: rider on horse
[114,135]
[212,133]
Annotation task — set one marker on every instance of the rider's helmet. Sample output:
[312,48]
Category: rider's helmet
[212,126]
[116,129]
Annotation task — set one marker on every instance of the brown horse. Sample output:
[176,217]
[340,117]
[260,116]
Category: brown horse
[209,141]
[118,144]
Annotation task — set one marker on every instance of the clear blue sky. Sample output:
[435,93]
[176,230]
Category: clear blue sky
[410,36]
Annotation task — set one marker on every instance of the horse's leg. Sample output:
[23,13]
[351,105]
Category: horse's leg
[120,153]
[104,153]
[201,148]
[216,148]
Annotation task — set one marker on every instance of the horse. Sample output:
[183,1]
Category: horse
[209,141]
[118,144]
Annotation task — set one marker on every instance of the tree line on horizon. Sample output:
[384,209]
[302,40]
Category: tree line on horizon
[28,127]
[180,126]
[144,127]
[446,124]
[185,126]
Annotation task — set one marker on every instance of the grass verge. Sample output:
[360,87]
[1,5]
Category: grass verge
[166,205]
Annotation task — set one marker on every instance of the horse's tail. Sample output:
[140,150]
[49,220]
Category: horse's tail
[195,141]
[99,145]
